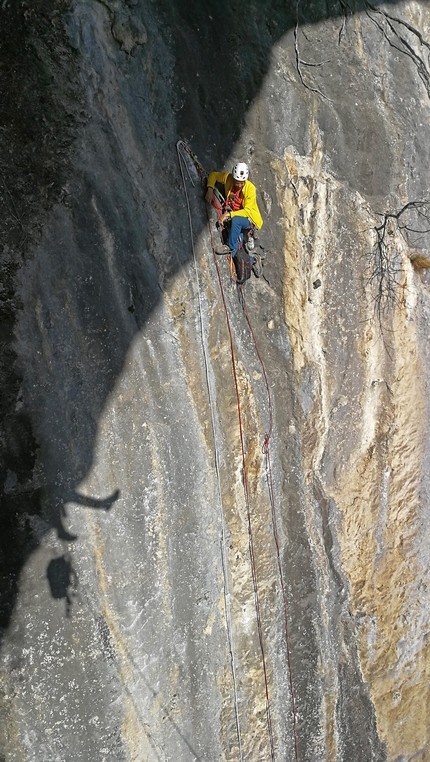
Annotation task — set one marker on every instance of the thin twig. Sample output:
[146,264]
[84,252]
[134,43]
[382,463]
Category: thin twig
[344,11]
[321,63]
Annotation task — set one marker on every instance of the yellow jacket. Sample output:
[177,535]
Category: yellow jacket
[249,193]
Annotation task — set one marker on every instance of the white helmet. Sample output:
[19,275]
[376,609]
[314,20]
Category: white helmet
[240,171]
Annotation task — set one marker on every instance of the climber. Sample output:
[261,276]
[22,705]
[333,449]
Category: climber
[240,206]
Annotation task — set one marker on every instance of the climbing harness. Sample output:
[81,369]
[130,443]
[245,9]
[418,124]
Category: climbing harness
[235,200]
[183,147]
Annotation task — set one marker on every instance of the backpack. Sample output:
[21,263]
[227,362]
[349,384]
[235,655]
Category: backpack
[243,266]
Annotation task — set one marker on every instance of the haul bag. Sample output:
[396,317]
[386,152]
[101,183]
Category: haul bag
[242,263]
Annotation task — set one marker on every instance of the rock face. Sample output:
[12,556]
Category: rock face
[172,588]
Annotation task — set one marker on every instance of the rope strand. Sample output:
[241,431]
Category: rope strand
[248,511]
[266,451]
[269,476]
[223,543]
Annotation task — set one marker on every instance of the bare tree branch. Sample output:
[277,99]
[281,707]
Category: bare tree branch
[385,264]
[345,11]
[399,42]
[300,62]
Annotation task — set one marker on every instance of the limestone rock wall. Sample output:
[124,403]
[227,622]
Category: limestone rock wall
[136,603]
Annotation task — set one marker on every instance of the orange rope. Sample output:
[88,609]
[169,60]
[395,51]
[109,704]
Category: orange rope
[266,451]
[248,511]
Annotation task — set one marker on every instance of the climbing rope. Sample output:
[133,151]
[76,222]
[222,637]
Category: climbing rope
[248,511]
[266,452]
[223,542]
[269,476]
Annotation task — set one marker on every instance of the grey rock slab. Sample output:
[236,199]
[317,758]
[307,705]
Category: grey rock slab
[129,624]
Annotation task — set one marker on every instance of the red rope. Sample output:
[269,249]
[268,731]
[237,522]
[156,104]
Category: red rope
[246,492]
[266,451]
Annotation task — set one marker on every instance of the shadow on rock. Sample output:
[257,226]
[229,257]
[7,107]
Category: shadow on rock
[221,55]
[62,580]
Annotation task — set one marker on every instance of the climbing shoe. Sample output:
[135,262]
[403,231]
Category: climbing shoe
[257,267]
[223,249]
[250,244]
